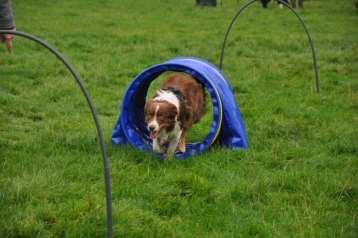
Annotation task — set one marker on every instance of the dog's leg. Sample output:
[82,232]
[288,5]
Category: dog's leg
[181,146]
[171,148]
[173,144]
[156,146]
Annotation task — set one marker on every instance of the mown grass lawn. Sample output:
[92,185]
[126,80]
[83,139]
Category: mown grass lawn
[297,179]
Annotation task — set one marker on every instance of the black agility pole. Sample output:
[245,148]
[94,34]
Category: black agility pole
[94,115]
[246,5]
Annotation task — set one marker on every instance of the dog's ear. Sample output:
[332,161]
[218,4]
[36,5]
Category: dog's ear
[146,106]
[146,109]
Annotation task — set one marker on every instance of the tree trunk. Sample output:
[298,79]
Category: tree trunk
[211,3]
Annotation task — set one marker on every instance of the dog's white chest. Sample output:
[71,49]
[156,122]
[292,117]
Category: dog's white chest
[171,135]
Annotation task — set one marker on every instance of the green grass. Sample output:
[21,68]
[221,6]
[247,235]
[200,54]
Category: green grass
[297,179]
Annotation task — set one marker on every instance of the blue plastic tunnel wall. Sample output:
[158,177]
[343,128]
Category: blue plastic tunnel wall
[227,126]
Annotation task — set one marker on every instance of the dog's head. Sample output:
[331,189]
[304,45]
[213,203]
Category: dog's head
[161,114]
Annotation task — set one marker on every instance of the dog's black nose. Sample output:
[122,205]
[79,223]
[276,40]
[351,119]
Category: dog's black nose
[151,128]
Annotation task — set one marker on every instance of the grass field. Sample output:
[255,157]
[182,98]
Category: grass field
[297,179]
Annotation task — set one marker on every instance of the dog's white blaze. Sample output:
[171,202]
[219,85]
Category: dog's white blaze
[154,122]
[167,96]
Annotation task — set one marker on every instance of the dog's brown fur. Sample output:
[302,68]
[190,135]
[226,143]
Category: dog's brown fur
[191,108]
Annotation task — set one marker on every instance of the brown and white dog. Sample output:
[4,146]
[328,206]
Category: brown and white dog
[177,105]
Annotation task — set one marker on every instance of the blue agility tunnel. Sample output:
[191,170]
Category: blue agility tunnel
[227,126]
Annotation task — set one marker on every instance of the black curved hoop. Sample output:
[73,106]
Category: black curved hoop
[314,60]
[94,115]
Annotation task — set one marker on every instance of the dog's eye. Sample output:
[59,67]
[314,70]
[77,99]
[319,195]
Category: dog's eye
[148,116]
[171,117]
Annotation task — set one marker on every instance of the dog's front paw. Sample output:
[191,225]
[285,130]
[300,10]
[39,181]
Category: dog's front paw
[157,150]
[181,147]
[168,155]
[156,147]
